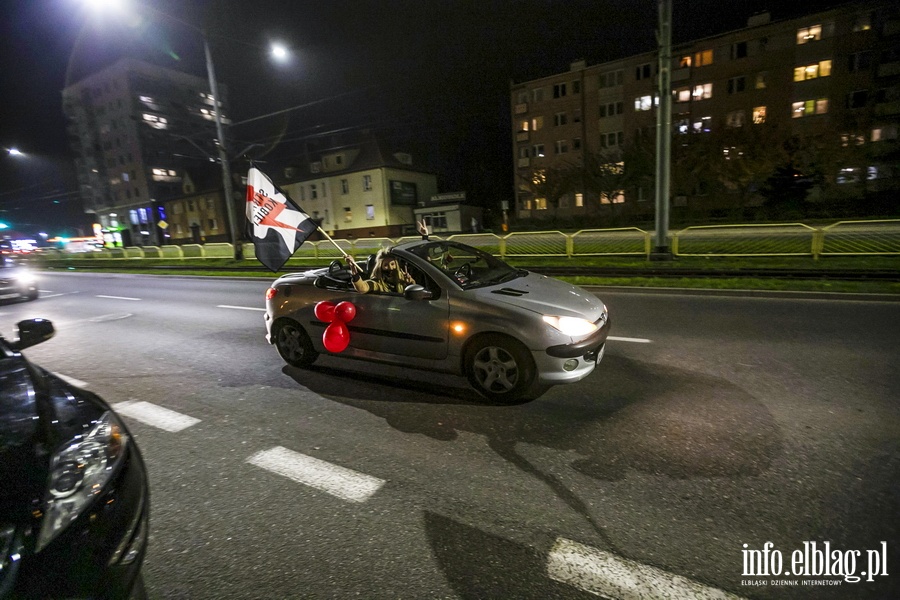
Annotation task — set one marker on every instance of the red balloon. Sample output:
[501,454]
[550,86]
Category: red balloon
[324,311]
[345,311]
[336,337]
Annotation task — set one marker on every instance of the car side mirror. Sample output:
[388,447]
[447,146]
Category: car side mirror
[416,292]
[32,332]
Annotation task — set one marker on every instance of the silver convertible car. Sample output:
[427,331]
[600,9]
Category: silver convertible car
[512,333]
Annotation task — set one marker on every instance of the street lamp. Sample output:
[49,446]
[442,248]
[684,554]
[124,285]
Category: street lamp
[280,53]
[223,154]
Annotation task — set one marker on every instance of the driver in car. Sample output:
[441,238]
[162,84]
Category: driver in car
[387,276]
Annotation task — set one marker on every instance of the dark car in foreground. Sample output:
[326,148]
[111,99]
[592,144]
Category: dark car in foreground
[74,499]
[511,332]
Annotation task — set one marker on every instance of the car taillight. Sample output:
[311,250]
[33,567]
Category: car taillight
[270,293]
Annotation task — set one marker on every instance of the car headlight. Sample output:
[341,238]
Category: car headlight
[26,277]
[571,326]
[79,472]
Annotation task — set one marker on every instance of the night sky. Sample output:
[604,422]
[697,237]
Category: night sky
[432,75]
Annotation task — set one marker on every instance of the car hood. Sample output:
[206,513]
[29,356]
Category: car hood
[544,295]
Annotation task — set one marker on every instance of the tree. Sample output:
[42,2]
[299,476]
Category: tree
[549,184]
[602,173]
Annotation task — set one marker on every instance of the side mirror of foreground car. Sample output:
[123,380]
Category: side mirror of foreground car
[32,332]
[416,292]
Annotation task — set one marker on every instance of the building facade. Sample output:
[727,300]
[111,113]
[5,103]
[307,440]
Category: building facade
[834,75]
[355,188]
[135,129]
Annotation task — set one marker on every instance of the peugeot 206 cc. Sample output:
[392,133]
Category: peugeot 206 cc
[511,332]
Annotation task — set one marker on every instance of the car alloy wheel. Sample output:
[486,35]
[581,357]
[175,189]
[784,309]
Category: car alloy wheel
[500,368]
[294,345]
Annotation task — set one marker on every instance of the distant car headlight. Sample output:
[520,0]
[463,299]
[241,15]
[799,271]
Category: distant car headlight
[78,472]
[26,277]
[571,326]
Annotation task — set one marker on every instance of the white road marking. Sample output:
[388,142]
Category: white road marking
[110,317]
[117,297]
[72,381]
[157,416]
[628,339]
[617,578]
[333,479]
[240,307]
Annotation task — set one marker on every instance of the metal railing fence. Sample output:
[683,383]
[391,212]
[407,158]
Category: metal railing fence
[843,238]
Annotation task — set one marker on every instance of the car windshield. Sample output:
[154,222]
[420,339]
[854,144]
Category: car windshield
[468,267]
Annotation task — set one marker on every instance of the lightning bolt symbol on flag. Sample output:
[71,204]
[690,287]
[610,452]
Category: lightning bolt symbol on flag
[278,226]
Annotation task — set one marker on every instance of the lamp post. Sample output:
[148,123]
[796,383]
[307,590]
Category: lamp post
[223,155]
[663,133]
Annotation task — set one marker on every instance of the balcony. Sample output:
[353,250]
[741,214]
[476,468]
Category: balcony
[521,136]
[523,162]
[521,109]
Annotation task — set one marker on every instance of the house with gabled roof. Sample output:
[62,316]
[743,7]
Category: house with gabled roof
[355,187]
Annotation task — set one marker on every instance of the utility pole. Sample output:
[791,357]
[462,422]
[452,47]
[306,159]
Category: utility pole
[661,249]
[223,156]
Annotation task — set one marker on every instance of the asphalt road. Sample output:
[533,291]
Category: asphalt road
[712,422]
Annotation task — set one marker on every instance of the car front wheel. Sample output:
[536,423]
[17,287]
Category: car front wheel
[501,369]
[293,344]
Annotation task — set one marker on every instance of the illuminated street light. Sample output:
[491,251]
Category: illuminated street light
[279,52]
[14,152]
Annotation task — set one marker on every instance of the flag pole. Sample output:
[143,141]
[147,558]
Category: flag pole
[329,238]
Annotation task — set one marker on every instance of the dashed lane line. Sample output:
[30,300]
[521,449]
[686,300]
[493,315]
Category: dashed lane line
[240,307]
[116,297]
[155,416]
[609,576]
[333,479]
[629,339]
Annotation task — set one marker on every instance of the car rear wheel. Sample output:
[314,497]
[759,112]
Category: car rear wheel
[501,369]
[293,344]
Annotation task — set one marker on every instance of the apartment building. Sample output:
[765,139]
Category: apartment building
[833,74]
[354,187]
[136,129]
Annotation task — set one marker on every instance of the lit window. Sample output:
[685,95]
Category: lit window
[702,91]
[761,80]
[643,103]
[155,121]
[538,151]
[682,94]
[370,212]
[804,108]
[537,123]
[704,125]
[348,214]
[703,58]
[579,199]
[685,61]
[759,115]
[862,23]
[523,126]
[819,69]
[809,34]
